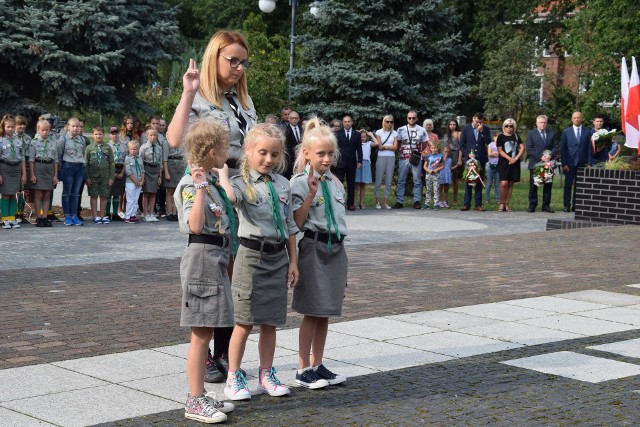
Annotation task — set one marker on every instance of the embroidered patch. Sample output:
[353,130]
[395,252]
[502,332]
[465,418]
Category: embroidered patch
[187,196]
[216,209]
[320,200]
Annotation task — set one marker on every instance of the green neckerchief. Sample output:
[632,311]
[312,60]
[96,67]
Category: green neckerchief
[45,149]
[153,150]
[328,209]
[13,147]
[137,166]
[276,218]
[99,153]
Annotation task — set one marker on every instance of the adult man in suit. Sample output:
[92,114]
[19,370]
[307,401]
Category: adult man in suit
[475,136]
[575,150]
[540,140]
[293,135]
[350,148]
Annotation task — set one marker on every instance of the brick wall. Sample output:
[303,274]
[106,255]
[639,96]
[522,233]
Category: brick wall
[611,196]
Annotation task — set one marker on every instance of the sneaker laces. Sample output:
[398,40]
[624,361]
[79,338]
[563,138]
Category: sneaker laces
[207,405]
[271,377]
[240,381]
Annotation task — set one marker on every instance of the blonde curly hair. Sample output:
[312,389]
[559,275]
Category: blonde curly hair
[205,136]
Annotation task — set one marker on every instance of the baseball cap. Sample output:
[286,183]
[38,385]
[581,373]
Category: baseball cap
[114,129]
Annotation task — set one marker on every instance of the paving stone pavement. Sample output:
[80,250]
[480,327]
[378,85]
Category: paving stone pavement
[82,293]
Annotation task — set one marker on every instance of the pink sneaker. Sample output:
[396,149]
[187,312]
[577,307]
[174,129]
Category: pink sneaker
[269,383]
[236,387]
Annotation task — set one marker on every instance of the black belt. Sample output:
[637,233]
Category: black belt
[150,164]
[262,246]
[175,157]
[208,239]
[47,161]
[323,237]
[119,165]
[10,162]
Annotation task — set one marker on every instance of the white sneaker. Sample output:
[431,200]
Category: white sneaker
[387,206]
[378,206]
[269,383]
[154,218]
[147,218]
[15,224]
[6,225]
[18,220]
[236,387]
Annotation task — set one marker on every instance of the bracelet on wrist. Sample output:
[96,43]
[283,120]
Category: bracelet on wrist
[201,185]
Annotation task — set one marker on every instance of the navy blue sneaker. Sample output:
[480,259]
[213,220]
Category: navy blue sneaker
[330,377]
[67,220]
[310,379]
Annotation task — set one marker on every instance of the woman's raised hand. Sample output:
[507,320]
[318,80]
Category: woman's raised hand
[191,79]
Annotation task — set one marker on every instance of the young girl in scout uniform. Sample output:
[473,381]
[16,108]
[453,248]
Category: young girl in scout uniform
[71,151]
[151,155]
[43,156]
[13,173]
[262,268]
[25,196]
[319,212]
[115,206]
[100,171]
[134,171]
[205,215]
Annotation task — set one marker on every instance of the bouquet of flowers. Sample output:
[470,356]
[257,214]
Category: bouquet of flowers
[603,139]
[471,173]
[543,171]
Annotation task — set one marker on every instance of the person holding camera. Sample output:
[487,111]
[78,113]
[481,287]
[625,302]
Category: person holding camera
[413,139]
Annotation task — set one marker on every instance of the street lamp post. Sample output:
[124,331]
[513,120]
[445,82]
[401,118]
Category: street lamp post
[268,6]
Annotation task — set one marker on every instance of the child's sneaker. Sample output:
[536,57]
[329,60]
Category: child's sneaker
[106,220]
[224,407]
[310,379]
[153,218]
[329,376]
[269,383]
[15,224]
[6,225]
[436,206]
[426,206]
[97,220]
[131,220]
[199,408]
[237,388]
[67,220]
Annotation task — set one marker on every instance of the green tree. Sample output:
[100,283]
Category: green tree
[508,82]
[371,57]
[82,55]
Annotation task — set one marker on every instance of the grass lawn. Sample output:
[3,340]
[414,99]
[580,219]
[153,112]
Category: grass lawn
[519,197]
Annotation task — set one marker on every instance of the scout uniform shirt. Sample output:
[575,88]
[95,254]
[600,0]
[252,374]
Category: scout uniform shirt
[11,150]
[26,143]
[173,153]
[216,216]
[256,216]
[130,168]
[317,219]
[151,153]
[43,150]
[99,161]
[120,151]
[71,149]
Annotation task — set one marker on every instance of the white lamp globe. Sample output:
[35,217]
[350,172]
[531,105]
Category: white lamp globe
[314,9]
[267,6]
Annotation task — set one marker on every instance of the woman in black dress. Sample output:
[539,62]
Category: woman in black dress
[510,148]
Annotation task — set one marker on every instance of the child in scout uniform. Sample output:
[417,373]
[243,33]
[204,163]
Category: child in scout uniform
[319,211]
[151,155]
[25,196]
[175,167]
[71,152]
[99,172]
[266,261]
[206,216]
[43,156]
[134,171]
[13,173]
[52,134]
[115,206]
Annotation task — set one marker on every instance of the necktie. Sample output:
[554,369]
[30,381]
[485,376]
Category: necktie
[328,210]
[242,123]
[295,132]
[229,208]
[544,135]
[348,134]
[276,218]
[99,154]
[153,147]
[578,134]
[475,132]
[13,148]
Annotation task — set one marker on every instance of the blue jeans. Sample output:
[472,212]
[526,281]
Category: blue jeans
[72,175]
[403,172]
[493,180]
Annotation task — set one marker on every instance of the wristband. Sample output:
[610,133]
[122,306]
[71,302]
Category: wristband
[201,185]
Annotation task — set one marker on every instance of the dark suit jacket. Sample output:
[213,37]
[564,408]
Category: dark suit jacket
[468,142]
[291,144]
[536,145]
[574,152]
[350,149]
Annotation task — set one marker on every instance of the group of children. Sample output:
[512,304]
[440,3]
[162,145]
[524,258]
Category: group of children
[270,212]
[115,172]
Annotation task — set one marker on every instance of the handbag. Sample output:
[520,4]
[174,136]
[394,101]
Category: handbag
[415,158]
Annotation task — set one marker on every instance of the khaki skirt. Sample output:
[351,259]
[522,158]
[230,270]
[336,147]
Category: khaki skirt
[176,172]
[206,292]
[151,174]
[44,176]
[11,175]
[260,287]
[323,279]
[117,189]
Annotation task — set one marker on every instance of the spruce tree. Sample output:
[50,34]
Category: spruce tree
[82,55]
[373,57]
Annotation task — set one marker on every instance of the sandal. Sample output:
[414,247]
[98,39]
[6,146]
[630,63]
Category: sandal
[506,209]
[502,209]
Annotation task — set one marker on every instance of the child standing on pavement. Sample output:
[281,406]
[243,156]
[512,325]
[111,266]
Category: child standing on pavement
[323,260]
[151,155]
[71,152]
[432,166]
[115,209]
[134,171]
[262,269]
[363,174]
[99,174]
[24,196]
[13,173]
[445,177]
[43,156]
[206,215]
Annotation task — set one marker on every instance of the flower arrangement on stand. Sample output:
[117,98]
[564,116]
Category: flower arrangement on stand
[543,171]
[472,169]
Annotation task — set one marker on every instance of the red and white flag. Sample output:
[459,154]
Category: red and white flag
[632,109]
[624,92]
